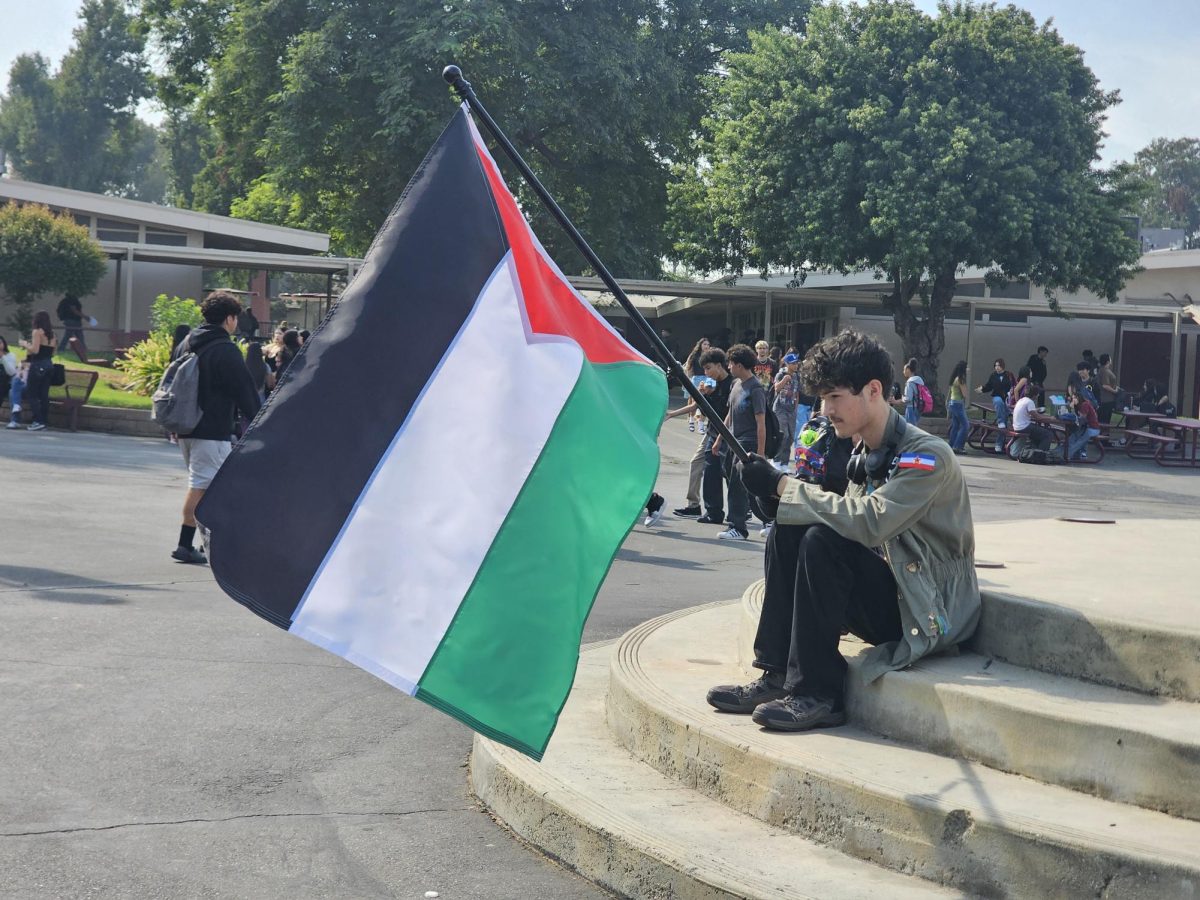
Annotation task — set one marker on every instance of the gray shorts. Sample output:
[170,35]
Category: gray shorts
[202,459]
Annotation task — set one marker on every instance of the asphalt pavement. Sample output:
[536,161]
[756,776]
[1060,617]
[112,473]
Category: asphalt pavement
[158,740]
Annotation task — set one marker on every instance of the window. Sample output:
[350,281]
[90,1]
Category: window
[165,237]
[1014,290]
[1011,318]
[114,230]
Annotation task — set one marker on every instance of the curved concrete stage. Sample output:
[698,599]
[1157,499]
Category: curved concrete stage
[971,774]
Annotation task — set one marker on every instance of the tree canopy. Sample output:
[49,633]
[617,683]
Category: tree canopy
[888,140]
[1171,169]
[41,252]
[78,127]
[314,113]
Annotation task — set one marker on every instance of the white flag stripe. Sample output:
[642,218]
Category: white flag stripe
[392,582]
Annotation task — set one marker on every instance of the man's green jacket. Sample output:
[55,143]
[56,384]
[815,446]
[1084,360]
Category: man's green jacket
[920,519]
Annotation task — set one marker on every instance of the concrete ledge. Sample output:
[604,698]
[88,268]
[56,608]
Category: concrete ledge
[631,830]
[110,419]
[947,820]
[107,419]
[1111,743]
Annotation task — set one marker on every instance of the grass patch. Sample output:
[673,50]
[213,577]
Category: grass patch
[110,386]
[109,389]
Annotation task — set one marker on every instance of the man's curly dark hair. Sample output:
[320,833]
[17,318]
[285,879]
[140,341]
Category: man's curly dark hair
[219,306]
[848,360]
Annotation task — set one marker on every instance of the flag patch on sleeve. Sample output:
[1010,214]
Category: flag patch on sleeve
[924,461]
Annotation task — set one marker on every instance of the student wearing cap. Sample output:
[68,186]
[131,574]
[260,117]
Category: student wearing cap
[787,393]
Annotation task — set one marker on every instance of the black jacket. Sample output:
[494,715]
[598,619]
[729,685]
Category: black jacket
[1037,368]
[225,383]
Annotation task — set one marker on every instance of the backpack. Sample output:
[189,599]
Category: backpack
[176,403]
[63,310]
[925,398]
[774,434]
[1033,456]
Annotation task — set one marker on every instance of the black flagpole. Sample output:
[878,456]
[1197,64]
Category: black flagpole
[454,76]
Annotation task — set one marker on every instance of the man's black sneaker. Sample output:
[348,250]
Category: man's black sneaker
[743,698]
[189,555]
[688,512]
[712,519]
[794,713]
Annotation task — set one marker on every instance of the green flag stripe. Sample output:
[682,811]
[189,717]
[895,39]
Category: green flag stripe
[506,664]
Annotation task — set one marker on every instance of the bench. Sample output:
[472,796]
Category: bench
[982,436]
[1158,441]
[74,393]
[1094,448]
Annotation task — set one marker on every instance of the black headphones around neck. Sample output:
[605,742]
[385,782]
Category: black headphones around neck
[876,465]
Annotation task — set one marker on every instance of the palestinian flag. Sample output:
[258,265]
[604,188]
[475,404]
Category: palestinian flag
[437,488]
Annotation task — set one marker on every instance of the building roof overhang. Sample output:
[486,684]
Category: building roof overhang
[87,203]
[233,259]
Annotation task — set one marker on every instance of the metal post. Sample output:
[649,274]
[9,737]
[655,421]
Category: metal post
[454,77]
[770,296]
[970,349]
[129,291]
[1174,388]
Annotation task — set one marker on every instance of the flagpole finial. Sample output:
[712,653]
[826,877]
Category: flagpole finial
[454,77]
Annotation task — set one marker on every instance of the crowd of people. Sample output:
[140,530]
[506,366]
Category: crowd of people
[747,388]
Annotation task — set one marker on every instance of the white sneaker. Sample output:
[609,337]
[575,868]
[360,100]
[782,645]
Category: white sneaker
[703,427]
[653,519]
[732,534]
[13,424]
[691,424]
[36,426]
[766,530]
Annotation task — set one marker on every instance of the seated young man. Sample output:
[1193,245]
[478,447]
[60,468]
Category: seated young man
[892,560]
[1038,435]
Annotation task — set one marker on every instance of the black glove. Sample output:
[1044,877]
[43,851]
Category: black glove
[766,508]
[760,477]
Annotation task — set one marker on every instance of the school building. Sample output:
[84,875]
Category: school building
[156,249]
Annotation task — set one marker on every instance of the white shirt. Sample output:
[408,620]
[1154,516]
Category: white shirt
[1022,413]
[9,361]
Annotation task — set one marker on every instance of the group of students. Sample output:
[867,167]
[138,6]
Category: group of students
[1093,394]
[759,396]
[28,381]
[266,364]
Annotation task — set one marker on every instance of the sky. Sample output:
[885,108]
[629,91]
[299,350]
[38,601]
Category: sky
[1147,52]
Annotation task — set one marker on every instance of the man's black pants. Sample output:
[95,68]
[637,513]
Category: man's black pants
[1039,436]
[818,583]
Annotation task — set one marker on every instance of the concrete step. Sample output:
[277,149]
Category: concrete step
[636,832]
[1115,604]
[948,820]
[1117,744]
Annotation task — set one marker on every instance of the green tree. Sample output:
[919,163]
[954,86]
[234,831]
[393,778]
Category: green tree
[78,127]
[1171,169]
[41,252]
[913,146]
[320,111]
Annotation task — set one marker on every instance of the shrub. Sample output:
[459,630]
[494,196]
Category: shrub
[145,362]
[168,312]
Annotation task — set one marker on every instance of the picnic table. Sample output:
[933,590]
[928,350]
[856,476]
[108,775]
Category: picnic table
[1140,441]
[1185,434]
[1093,450]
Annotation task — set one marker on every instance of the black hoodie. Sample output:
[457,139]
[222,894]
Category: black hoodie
[225,383]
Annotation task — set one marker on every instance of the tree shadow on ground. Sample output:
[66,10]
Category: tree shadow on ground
[62,587]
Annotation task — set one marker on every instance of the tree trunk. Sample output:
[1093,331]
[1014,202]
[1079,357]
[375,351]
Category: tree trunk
[922,329]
